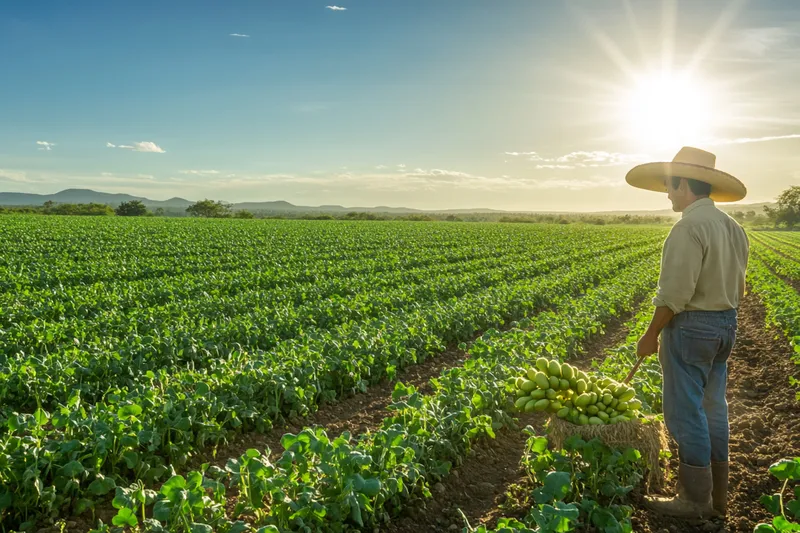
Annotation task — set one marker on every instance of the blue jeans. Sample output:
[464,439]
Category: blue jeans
[694,359]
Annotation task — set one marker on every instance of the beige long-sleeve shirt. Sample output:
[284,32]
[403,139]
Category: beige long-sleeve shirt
[703,262]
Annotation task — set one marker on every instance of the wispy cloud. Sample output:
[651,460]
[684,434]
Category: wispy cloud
[580,159]
[759,41]
[200,172]
[239,35]
[144,146]
[747,140]
[46,146]
[336,8]
[595,182]
[416,180]
[14,176]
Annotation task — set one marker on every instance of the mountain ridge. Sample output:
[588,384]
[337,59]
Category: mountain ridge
[85,196]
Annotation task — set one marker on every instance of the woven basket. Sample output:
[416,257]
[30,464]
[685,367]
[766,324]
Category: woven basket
[649,438]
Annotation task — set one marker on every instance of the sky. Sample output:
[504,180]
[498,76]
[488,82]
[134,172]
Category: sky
[520,105]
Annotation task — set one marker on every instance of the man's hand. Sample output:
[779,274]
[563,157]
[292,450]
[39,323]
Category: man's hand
[648,345]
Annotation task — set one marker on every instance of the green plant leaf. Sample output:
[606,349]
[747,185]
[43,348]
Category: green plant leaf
[786,469]
[102,485]
[131,459]
[539,444]
[781,524]
[129,411]
[556,487]
[793,507]
[72,469]
[173,488]
[41,416]
[83,505]
[772,503]
[125,517]
[241,527]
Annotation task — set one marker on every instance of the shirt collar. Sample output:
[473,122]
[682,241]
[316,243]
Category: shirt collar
[702,202]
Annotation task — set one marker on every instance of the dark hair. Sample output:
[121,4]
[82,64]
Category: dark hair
[699,188]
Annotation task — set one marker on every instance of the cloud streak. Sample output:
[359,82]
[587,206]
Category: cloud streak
[759,41]
[416,180]
[200,172]
[46,146]
[747,140]
[580,159]
[336,8]
[143,146]
[244,35]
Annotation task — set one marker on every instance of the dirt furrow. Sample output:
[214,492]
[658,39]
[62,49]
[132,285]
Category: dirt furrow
[765,426]
[355,414]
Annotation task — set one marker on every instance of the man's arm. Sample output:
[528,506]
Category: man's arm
[681,261]
[648,344]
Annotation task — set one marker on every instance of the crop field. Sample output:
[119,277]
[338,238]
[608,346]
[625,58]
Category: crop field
[225,375]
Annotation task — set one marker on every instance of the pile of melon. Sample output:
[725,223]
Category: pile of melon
[576,396]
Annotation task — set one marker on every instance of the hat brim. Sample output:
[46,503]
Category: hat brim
[652,176]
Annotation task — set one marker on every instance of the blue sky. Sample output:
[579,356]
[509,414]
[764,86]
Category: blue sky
[513,104]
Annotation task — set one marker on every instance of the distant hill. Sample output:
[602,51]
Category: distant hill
[728,208]
[86,196]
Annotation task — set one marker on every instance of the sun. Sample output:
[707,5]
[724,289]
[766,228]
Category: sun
[667,110]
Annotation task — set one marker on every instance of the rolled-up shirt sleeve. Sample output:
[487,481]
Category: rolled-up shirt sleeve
[681,261]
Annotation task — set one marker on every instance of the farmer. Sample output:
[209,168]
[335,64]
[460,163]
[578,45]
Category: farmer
[702,280]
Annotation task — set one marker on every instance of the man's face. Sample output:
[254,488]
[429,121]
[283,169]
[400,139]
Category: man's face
[675,195]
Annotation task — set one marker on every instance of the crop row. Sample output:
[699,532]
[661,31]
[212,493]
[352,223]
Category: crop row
[339,484]
[779,241]
[65,251]
[47,380]
[134,432]
[782,265]
[100,352]
[781,300]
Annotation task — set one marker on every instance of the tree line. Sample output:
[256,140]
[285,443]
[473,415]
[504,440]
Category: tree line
[785,213]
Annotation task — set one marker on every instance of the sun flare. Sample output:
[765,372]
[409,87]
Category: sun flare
[668,110]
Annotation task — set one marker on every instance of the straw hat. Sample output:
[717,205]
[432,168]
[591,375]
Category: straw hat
[690,163]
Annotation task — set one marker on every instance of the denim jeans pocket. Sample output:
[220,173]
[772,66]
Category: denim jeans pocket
[700,344]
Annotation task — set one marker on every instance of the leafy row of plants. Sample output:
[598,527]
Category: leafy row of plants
[48,253]
[95,354]
[582,487]
[781,302]
[337,484]
[782,265]
[780,241]
[791,239]
[137,432]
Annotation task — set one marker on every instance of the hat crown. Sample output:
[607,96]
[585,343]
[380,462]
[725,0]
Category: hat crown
[695,156]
